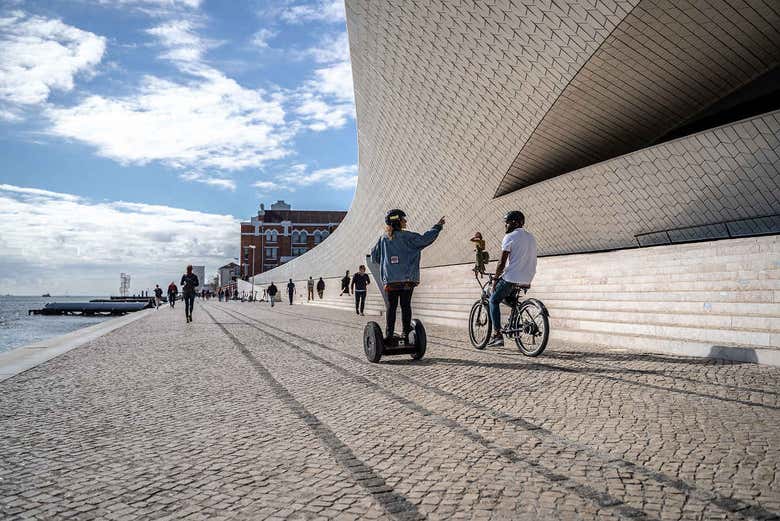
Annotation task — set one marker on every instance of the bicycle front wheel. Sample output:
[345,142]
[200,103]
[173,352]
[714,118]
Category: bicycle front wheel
[534,325]
[479,324]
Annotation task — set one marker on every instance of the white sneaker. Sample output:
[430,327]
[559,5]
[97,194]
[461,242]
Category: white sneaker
[496,341]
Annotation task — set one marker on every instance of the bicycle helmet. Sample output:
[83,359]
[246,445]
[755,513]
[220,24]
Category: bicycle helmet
[394,216]
[515,216]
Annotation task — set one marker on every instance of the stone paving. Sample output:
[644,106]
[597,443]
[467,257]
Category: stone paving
[258,413]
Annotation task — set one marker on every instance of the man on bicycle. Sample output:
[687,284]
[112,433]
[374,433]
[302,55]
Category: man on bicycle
[516,268]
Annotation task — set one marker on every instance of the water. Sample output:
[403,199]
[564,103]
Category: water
[18,329]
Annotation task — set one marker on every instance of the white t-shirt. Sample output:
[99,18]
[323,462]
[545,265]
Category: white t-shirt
[521,266]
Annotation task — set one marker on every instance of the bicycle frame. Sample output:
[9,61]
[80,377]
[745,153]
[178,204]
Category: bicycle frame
[513,301]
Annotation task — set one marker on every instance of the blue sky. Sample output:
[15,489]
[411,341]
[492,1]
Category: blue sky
[143,111]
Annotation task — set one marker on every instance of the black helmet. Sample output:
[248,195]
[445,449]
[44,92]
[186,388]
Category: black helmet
[515,216]
[394,216]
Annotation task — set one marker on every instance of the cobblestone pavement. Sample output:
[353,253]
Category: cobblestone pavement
[255,413]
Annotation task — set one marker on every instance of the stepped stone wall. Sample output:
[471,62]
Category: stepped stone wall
[452,96]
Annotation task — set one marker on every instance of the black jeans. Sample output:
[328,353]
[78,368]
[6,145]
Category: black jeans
[360,300]
[189,303]
[405,297]
[290,294]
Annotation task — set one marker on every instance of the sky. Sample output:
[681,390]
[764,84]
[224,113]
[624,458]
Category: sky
[136,134]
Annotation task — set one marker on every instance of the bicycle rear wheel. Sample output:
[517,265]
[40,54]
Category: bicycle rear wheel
[479,324]
[534,325]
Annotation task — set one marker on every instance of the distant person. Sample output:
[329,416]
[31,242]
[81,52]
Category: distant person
[173,291]
[227,294]
[345,284]
[291,291]
[272,291]
[360,282]
[310,289]
[189,281]
[320,287]
[219,294]
[157,296]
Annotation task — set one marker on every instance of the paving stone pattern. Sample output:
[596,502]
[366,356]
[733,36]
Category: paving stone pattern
[258,413]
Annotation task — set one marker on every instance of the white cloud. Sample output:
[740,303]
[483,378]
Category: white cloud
[210,122]
[331,48]
[321,115]
[267,185]
[261,37]
[219,182]
[64,242]
[182,42]
[339,178]
[38,55]
[321,10]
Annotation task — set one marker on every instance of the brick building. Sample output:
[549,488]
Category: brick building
[281,234]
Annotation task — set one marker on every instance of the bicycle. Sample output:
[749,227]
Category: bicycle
[528,324]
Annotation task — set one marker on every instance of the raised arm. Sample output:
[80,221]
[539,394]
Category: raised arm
[427,238]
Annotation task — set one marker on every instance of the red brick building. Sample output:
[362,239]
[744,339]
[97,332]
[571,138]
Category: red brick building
[281,234]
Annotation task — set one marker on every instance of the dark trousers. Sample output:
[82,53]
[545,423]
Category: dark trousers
[320,292]
[360,300]
[189,303]
[310,294]
[172,299]
[404,296]
[290,294]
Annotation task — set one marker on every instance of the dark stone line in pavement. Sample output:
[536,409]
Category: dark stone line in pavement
[586,492]
[595,373]
[743,508]
[396,505]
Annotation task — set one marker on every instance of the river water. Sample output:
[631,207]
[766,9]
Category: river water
[18,329]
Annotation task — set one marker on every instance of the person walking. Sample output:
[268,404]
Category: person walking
[173,292]
[345,284]
[310,289]
[320,287]
[189,281]
[272,291]
[227,294]
[291,291]
[360,282]
[398,254]
[157,296]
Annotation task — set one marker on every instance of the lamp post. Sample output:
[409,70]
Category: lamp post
[252,246]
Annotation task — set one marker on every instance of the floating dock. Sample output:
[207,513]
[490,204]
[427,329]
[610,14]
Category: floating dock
[90,308]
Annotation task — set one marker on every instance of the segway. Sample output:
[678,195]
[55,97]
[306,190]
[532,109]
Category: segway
[374,343]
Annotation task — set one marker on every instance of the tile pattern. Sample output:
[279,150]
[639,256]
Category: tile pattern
[253,413]
[447,93]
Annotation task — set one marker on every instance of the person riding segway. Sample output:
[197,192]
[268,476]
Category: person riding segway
[396,257]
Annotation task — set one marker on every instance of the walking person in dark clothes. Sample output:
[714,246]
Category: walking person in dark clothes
[189,281]
[360,282]
[291,290]
[320,287]
[272,291]
[345,284]
[310,289]
[157,296]
[173,292]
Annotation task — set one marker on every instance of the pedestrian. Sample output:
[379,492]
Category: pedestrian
[173,291]
[272,291]
[310,289]
[227,294]
[189,281]
[219,294]
[345,284]
[360,282]
[291,291]
[157,296]
[320,287]
[398,254]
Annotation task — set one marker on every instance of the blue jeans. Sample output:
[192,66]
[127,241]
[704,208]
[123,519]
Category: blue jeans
[503,290]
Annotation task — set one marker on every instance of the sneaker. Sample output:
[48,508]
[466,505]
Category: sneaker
[496,341]
[362,314]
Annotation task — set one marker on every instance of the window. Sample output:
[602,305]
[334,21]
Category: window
[270,253]
[303,237]
[271,236]
[298,251]
[325,234]
[317,237]
[299,237]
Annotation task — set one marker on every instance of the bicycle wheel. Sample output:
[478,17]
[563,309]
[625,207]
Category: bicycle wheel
[534,325]
[479,324]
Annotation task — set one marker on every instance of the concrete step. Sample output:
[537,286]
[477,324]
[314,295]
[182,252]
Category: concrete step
[681,347]
[697,308]
[693,320]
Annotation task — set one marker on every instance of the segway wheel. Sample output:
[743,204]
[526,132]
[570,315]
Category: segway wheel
[373,342]
[419,339]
